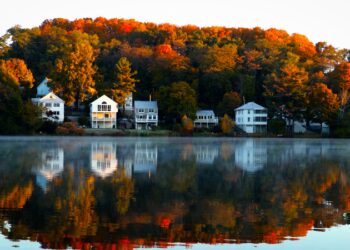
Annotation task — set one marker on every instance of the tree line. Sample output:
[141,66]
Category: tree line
[186,67]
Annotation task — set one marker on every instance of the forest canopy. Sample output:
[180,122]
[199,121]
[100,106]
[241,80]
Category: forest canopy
[271,67]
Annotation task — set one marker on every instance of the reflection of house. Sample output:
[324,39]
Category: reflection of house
[250,155]
[206,154]
[146,114]
[103,158]
[103,113]
[53,107]
[146,156]
[51,165]
[205,118]
[43,89]
[252,118]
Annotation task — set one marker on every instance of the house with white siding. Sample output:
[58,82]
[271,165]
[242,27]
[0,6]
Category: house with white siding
[103,113]
[43,89]
[205,119]
[146,114]
[252,118]
[52,106]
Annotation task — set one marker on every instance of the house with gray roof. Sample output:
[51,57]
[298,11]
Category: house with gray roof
[252,118]
[205,119]
[146,114]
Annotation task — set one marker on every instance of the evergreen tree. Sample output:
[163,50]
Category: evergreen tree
[125,83]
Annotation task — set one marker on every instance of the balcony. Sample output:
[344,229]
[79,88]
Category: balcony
[104,119]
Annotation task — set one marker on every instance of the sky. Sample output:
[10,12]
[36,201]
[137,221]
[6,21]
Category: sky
[319,20]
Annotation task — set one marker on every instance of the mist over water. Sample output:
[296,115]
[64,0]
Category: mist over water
[124,193]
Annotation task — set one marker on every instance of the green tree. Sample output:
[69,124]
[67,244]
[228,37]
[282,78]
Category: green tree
[125,83]
[177,100]
[230,101]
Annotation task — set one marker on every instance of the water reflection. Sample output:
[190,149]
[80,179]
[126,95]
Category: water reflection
[125,192]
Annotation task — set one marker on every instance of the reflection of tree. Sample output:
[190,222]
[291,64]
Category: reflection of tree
[182,203]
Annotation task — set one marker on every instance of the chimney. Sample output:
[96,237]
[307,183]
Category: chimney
[150,97]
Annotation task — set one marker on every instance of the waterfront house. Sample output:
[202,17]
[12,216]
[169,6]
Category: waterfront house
[146,114]
[103,113]
[206,119]
[43,89]
[53,107]
[252,118]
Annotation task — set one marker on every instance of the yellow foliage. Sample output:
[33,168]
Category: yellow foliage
[226,124]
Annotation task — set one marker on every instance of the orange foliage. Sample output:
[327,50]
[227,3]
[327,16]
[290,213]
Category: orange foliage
[17,197]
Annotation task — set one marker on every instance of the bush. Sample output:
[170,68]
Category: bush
[186,125]
[69,128]
[48,127]
[226,124]
[84,121]
[277,126]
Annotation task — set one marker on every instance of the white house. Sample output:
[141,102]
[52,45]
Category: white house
[205,118]
[146,114]
[103,113]
[206,154]
[252,118]
[104,160]
[53,107]
[42,89]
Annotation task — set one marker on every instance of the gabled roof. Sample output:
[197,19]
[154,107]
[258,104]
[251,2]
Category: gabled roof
[51,97]
[251,106]
[146,104]
[205,112]
[103,98]
[43,82]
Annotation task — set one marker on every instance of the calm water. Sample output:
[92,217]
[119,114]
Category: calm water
[204,193]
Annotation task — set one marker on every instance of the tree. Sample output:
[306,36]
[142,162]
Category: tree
[340,80]
[177,100]
[323,103]
[17,68]
[74,71]
[230,101]
[285,88]
[226,124]
[125,83]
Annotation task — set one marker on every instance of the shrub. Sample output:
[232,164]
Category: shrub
[186,125]
[277,126]
[226,124]
[69,128]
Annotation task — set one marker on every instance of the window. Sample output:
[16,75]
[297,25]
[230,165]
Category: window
[248,111]
[56,105]
[248,119]
[151,110]
[104,107]
[48,105]
[141,110]
[154,117]
[260,119]
[149,117]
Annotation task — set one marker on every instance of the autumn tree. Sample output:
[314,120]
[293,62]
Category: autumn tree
[187,124]
[125,83]
[17,68]
[74,70]
[323,103]
[340,80]
[285,88]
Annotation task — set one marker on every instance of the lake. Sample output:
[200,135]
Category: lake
[177,193]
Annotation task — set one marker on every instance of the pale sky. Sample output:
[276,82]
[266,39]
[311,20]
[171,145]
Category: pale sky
[319,20]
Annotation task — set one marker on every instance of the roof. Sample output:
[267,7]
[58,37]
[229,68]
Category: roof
[44,82]
[205,112]
[146,104]
[251,106]
[105,98]
[51,97]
